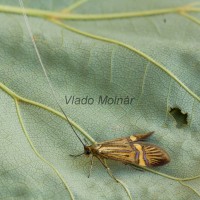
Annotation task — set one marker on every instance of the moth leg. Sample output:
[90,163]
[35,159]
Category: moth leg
[91,159]
[103,162]
[77,155]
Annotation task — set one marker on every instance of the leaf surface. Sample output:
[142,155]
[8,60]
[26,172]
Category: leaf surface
[153,58]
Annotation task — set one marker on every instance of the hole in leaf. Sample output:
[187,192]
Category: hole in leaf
[181,118]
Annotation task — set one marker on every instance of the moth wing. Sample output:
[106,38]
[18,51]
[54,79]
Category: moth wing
[133,151]
[118,149]
[115,142]
[134,138]
[139,137]
[150,155]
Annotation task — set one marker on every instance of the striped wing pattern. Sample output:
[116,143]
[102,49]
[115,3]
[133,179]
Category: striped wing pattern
[150,155]
[131,150]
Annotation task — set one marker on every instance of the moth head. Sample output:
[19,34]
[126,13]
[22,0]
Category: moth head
[87,150]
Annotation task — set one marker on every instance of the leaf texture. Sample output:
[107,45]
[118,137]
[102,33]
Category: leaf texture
[139,49]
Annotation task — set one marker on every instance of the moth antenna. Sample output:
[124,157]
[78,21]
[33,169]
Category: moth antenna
[43,67]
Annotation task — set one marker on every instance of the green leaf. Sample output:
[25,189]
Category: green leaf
[145,50]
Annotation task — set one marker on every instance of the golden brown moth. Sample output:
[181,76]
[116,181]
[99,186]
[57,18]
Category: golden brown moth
[130,150]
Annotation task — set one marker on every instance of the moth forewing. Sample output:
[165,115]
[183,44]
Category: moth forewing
[131,150]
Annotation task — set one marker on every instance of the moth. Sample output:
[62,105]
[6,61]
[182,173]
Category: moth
[130,150]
